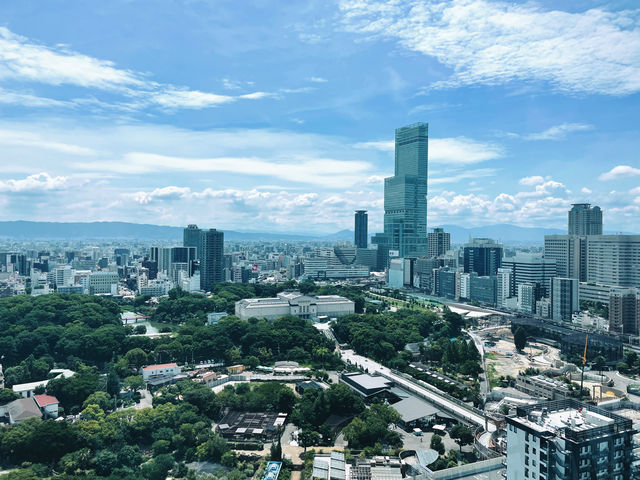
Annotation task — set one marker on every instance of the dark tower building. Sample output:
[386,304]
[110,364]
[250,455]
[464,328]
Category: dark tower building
[191,237]
[211,258]
[361,229]
[482,256]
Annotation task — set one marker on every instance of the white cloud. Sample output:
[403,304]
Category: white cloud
[318,171]
[318,79]
[34,183]
[457,150]
[26,61]
[453,177]
[534,180]
[586,190]
[493,42]
[558,132]
[620,171]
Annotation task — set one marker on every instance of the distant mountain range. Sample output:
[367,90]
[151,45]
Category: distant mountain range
[24,230]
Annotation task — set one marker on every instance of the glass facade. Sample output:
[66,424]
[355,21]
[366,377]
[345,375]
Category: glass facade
[405,195]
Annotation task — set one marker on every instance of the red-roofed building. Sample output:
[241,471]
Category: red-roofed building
[164,370]
[48,405]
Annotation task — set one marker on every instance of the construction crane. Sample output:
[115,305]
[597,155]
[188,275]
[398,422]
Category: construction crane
[584,361]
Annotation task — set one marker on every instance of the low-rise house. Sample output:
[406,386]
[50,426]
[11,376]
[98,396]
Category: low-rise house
[151,372]
[48,405]
[209,378]
[22,409]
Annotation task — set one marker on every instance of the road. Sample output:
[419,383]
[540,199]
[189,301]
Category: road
[374,367]
[484,385]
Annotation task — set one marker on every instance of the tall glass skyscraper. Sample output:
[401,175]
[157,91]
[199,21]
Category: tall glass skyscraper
[405,197]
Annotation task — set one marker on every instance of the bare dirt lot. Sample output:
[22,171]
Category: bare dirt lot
[503,359]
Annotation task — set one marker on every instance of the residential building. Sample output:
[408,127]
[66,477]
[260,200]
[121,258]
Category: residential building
[465,285]
[439,242]
[23,409]
[585,220]
[48,405]
[504,288]
[211,258]
[294,303]
[527,298]
[624,310]
[482,256]
[569,440]
[361,233]
[564,298]
[405,196]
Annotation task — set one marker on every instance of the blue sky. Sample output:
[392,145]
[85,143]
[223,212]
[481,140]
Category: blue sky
[280,116]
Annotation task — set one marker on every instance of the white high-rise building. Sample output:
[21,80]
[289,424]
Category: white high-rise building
[503,287]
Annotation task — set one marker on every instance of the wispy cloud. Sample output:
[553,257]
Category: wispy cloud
[620,171]
[24,60]
[318,79]
[456,150]
[558,132]
[494,42]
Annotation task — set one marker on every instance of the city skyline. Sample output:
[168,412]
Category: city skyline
[188,114]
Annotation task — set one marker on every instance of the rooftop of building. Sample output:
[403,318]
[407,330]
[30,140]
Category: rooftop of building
[367,381]
[162,365]
[45,400]
[570,419]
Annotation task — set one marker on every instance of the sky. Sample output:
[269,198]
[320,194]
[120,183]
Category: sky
[280,115]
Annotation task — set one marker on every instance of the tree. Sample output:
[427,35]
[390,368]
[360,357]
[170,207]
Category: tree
[520,339]
[229,459]
[462,435]
[308,438]
[101,399]
[105,462]
[133,383]
[437,444]
[7,395]
[136,358]
[600,363]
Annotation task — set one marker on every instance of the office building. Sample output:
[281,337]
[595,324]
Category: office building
[570,254]
[531,269]
[405,197]
[445,283]
[594,292]
[482,289]
[585,220]
[309,307]
[438,242]
[569,440]
[367,257]
[613,260]
[482,256]
[624,310]
[564,298]
[103,283]
[465,286]
[336,262]
[361,232]
[192,237]
[211,258]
